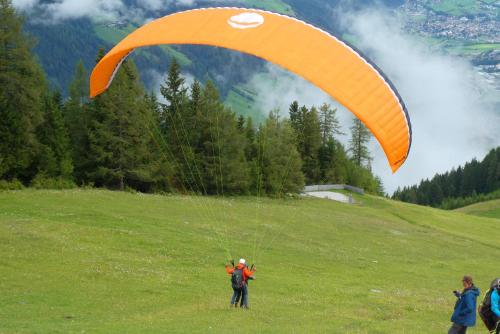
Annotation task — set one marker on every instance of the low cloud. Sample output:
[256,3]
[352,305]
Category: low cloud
[95,10]
[70,9]
[103,10]
[25,4]
[277,88]
[61,10]
[157,79]
[453,117]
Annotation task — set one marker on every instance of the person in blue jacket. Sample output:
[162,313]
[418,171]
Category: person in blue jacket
[464,315]
[495,306]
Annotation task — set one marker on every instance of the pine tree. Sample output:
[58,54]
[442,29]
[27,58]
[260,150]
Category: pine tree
[495,182]
[178,123]
[470,178]
[119,148]
[195,120]
[332,160]
[252,156]
[55,155]
[223,155]
[241,123]
[21,98]
[457,181]
[328,160]
[250,136]
[436,194]
[297,122]
[174,90]
[295,117]
[75,113]
[358,148]
[175,111]
[329,123]
[300,130]
[280,166]
[492,164]
[210,155]
[158,165]
[311,146]
[306,126]
[79,87]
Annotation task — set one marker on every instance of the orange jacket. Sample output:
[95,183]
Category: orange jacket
[246,272]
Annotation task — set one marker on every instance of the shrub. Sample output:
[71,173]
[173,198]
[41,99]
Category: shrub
[43,182]
[14,184]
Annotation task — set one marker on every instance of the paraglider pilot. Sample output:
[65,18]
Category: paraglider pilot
[239,281]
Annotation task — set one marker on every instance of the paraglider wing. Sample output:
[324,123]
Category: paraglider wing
[310,52]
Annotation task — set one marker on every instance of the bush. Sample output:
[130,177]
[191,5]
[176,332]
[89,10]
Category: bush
[43,182]
[130,190]
[14,184]
[460,202]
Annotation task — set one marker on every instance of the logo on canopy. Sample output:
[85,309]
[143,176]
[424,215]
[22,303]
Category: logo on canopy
[246,20]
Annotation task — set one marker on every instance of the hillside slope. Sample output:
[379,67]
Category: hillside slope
[62,43]
[486,209]
[108,262]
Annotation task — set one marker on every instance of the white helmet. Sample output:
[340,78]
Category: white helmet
[242,261]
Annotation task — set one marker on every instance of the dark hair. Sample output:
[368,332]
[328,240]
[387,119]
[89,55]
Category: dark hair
[468,279]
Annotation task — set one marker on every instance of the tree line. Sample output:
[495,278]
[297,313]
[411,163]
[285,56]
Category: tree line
[188,142]
[474,182]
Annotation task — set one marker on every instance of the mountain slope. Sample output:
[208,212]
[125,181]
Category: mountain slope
[109,262]
[485,209]
[62,43]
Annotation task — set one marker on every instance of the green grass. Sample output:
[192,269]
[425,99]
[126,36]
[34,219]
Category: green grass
[456,7]
[113,35]
[172,52]
[277,6]
[486,209]
[109,262]
[470,48]
[463,7]
[243,98]
[351,39]
[456,47]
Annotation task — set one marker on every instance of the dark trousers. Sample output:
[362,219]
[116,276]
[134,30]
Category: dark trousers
[236,296]
[244,295]
[457,329]
[497,321]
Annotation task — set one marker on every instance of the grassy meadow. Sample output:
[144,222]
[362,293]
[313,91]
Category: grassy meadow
[95,261]
[489,209]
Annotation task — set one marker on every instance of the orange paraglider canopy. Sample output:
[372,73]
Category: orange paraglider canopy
[310,52]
